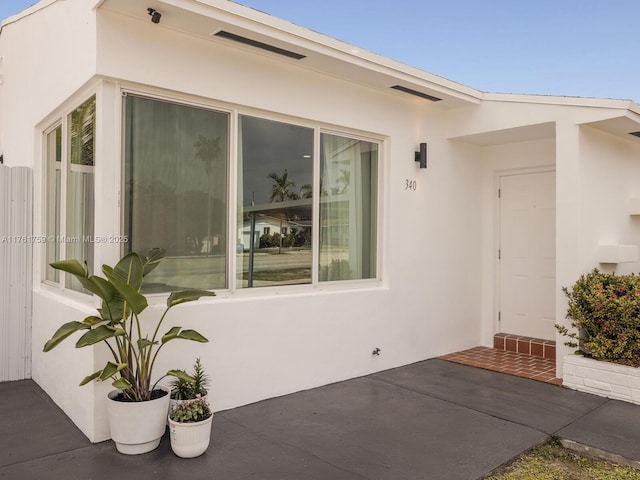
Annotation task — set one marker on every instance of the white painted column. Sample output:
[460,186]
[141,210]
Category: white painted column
[568,194]
[108,186]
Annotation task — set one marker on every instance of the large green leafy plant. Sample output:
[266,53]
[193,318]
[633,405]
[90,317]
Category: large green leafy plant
[605,308]
[118,323]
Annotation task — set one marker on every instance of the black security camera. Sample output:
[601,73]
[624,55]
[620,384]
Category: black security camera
[155,15]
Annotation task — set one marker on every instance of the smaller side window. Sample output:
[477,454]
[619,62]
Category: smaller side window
[348,208]
[69,167]
[79,231]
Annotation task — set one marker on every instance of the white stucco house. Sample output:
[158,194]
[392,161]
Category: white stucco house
[142,130]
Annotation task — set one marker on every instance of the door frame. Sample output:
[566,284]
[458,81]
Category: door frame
[497,175]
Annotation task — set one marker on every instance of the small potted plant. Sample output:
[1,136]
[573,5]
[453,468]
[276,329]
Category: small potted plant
[189,386]
[190,427]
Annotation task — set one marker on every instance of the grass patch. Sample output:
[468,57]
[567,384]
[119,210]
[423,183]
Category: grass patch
[551,461]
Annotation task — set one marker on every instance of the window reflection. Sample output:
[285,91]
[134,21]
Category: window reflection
[275,178]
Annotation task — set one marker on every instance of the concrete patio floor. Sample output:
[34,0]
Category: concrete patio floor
[430,420]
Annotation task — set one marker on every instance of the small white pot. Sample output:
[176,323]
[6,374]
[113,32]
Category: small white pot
[137,427]
[190,440]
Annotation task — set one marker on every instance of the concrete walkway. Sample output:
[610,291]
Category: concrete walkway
[431,420]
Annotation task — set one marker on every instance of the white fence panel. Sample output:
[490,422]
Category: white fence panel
[16,243]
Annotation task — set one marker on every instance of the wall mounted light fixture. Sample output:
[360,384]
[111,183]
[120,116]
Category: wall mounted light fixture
[155,15]
[421,156]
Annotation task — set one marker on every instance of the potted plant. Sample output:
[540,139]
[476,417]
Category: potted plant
[137,410]
[190,427]
[189,386]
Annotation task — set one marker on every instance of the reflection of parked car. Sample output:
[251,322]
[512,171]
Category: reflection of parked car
[239,248]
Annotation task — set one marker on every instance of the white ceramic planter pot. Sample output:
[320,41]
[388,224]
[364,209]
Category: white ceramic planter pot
[137,427]
[190,440]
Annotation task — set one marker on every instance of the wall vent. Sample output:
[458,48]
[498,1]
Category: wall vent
[416,93]
[257,44]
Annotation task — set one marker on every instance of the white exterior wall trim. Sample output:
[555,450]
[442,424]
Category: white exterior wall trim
[561,100]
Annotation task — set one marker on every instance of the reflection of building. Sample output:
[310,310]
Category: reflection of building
[263,222]
[518,194]
[267,225]
[276,217]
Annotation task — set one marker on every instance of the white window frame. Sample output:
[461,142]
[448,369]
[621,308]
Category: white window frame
[318,128]
[61,119]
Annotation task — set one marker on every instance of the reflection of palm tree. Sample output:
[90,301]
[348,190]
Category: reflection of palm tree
[83,133]
[281,188]
[208,150]
[281,191]
[306,191]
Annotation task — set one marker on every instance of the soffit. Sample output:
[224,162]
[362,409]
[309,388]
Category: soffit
[523,133]
[203,18]
[624,125]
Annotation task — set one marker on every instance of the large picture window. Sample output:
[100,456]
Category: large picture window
[306,200]
[176,191]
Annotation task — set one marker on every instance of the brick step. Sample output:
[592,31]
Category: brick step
[531,346]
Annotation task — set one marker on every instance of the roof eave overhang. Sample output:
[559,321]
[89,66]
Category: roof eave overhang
[618,117]
[522,133]
[204,18]
[625,124]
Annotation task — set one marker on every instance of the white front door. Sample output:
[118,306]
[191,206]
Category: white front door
[527,255]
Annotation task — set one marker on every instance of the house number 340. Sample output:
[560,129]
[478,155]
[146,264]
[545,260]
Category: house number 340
[410,184]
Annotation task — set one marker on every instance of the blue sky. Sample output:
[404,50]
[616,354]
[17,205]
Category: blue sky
[551,47]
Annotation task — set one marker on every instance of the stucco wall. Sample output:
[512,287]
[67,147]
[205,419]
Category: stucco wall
[610,176]
[59,373]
